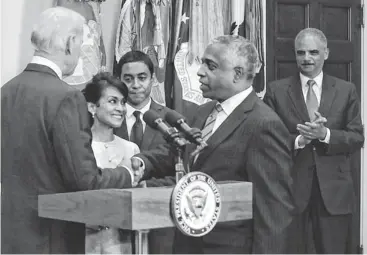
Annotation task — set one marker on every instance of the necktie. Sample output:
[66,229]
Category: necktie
[137,130]
[311,100]
[210,121]
[207,131]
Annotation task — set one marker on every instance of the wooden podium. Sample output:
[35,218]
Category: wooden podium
[138,209]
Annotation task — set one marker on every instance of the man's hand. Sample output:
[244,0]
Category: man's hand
[313,130]
[303,141]
[319,118]
[138,169]
[127,164]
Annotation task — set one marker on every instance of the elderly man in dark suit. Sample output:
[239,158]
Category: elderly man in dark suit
[136,70]
[46,141]
[323,115]
[247,141]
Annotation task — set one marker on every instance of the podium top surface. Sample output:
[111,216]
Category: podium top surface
[137,208]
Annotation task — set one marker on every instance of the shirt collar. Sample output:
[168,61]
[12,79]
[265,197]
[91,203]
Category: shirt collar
[317,79]
[231,103]
[46,62]
[130,110]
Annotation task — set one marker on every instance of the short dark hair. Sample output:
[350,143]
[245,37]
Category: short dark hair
[132,57]
[93,90]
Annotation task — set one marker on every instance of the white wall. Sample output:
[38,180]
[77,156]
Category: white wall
[17,18]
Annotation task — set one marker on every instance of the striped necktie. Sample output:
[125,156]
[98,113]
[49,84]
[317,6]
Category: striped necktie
[207,131]
[210,121]
[311,100]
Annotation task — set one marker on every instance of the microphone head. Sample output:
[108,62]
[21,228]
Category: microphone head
[150,118]
[172,117]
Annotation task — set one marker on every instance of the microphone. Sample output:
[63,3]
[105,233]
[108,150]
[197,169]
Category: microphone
[153,120]
[177,120]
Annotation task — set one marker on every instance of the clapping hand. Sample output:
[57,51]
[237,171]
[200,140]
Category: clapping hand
[313,130]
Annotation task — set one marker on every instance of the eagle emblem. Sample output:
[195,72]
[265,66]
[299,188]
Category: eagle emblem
[196,204]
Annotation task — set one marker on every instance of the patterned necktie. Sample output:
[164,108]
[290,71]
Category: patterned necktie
[207,131]
[137,130]
[210,121]
[311,100]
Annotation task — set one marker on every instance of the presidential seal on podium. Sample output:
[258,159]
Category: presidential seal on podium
[196,204]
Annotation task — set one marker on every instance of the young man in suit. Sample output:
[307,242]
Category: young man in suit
[136,70]
[323,115]
[46,141]
[248,142]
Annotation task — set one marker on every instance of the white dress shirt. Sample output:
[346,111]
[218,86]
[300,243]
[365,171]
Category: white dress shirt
[46,62]
[317,88]
[130,118]
[229,105]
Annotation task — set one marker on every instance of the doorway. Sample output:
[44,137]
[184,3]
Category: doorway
[340,21]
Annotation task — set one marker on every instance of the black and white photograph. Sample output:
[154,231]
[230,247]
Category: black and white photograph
[183,127]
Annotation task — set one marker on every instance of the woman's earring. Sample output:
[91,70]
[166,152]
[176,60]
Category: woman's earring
[93,115]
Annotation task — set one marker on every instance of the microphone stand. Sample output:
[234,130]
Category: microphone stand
[179,166]
[141,236]
[178,144]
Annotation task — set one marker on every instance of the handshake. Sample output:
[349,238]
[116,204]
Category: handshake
[177,136]
[136,168]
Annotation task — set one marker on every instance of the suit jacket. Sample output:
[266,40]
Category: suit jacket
[45,149]
[341,106]
[152,139]
[250,145]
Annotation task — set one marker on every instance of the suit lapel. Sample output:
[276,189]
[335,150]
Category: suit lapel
[227,127]
[327,95]
[150,133]
[296,95]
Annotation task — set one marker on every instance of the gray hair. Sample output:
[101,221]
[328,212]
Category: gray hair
[312,32]
[54,27]
[244,50]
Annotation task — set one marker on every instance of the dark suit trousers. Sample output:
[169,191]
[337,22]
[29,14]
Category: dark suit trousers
[317,230]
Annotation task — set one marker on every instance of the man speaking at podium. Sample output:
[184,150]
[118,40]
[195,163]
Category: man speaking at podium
[246,142]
